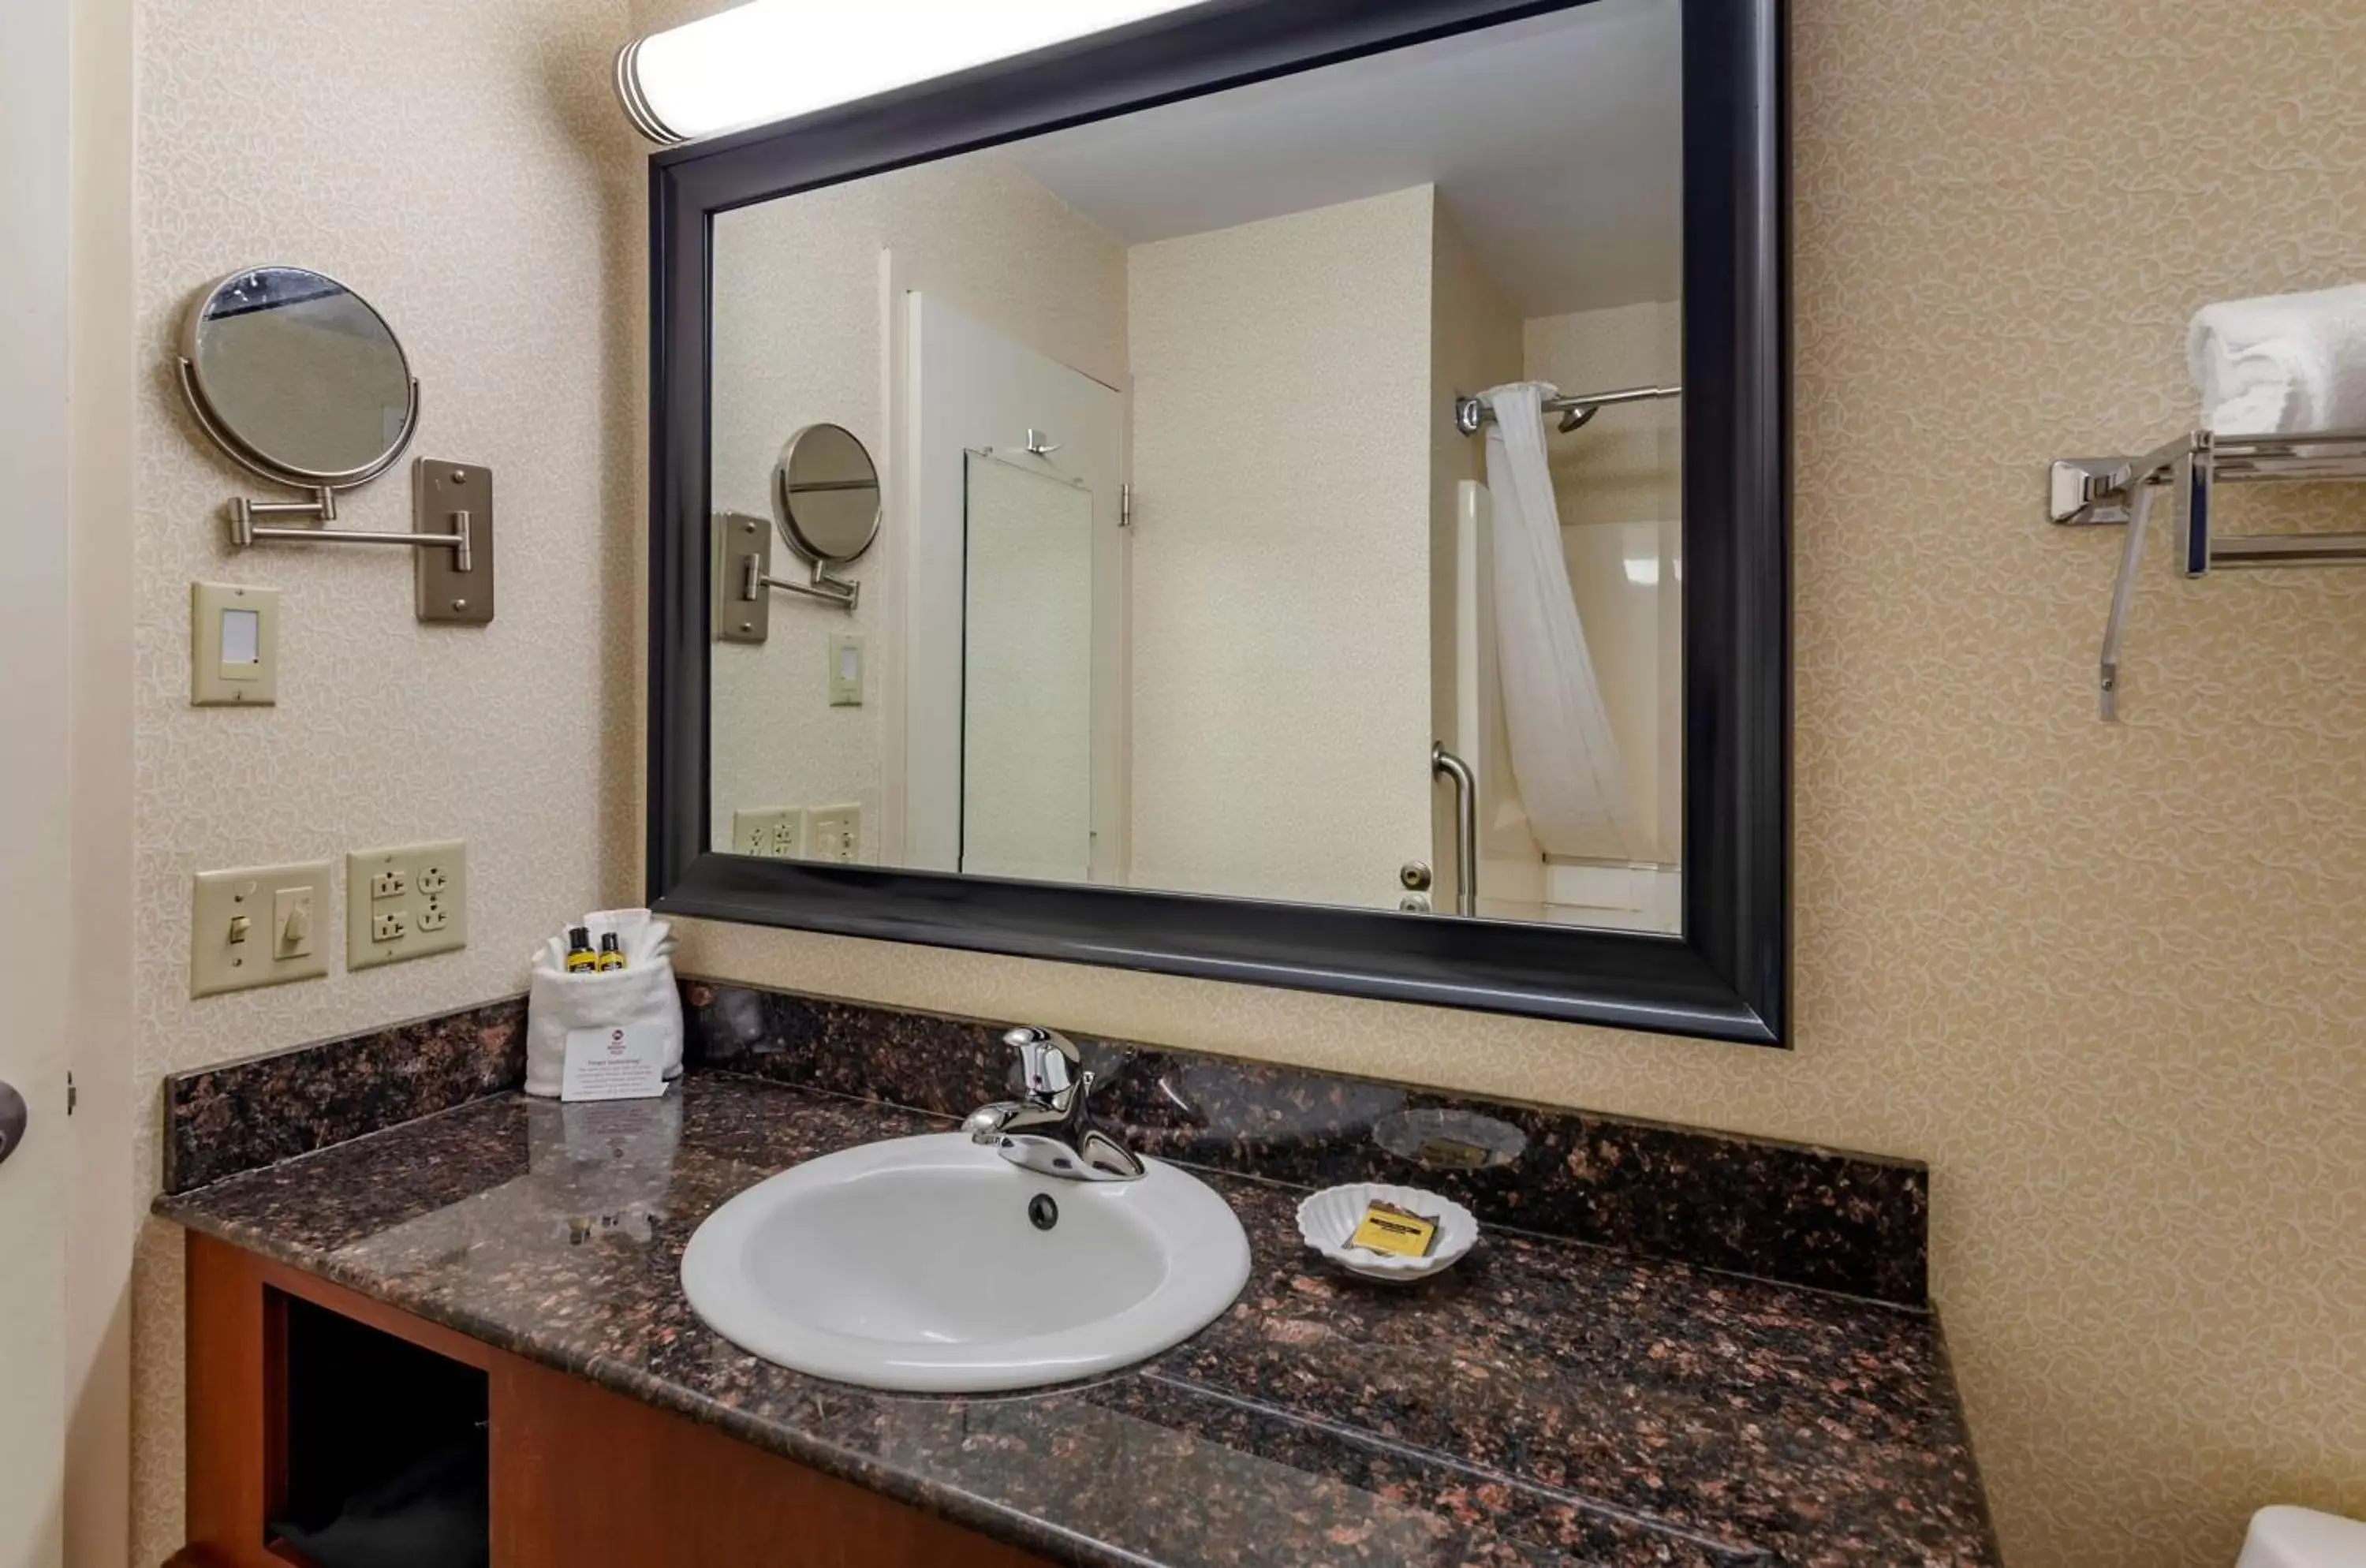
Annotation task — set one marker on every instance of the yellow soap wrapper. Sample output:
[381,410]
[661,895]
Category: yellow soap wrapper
[1450,1154]
[1387,1228]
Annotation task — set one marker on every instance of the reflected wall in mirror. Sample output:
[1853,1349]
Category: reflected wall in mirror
[1189,559]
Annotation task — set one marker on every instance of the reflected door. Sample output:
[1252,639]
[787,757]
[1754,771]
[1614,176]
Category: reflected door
[1027,663]
[962,795]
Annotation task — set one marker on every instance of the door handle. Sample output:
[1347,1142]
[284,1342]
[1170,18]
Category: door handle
[13,1117]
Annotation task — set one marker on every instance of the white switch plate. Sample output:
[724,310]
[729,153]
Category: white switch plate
[405,903]
[226,620]
[834,833]
[225,955]
[846,670]
[777,834]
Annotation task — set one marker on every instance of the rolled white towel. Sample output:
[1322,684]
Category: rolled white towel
[2281,363]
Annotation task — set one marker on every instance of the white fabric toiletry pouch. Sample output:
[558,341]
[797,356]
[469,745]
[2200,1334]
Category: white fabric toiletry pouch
[641,994]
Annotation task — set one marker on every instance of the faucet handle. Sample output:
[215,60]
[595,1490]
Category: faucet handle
[1048,1060]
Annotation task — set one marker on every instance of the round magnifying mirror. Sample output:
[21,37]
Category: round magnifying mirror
[298,378]
[826,495]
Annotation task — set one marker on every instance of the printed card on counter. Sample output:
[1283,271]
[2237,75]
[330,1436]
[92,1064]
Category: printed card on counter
[615,1063]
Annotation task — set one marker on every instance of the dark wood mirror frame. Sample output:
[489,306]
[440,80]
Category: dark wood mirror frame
[1727,977]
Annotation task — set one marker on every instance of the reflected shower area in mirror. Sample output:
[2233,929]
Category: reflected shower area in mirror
[1236,458]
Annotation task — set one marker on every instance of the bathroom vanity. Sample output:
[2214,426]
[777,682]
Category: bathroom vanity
[1583,1388]
[300,1391]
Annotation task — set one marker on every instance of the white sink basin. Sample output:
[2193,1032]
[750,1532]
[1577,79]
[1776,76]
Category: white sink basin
[915,1265]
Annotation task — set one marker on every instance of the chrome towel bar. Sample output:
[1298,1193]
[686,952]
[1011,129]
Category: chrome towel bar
[2087,491]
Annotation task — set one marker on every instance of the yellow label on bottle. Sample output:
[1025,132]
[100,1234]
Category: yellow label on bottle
[611,960]
[580,961]
[1393,1230]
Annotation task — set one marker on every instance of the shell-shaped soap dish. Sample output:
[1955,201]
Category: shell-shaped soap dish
[1326,1219]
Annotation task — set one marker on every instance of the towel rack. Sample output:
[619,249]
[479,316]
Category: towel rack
[2087,491]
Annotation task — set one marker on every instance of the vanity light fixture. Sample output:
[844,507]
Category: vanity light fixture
[772,60]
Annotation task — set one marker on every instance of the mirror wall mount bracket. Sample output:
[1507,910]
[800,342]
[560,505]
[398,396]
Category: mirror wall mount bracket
[742,575]
[1727,977]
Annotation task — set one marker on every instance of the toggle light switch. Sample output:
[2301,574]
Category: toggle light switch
[257,927]
[291,922]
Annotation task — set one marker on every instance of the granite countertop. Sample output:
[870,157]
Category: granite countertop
[1547,1402]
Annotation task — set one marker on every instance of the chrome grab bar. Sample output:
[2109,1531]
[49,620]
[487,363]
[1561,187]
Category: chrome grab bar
[1465,824]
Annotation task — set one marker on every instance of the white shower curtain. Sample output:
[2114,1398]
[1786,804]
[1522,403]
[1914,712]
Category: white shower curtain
[1564,757]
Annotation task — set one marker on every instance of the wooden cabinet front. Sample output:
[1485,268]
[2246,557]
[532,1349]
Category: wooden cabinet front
[574,1476]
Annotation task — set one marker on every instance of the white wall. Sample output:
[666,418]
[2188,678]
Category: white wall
[806,330]
[1281,554]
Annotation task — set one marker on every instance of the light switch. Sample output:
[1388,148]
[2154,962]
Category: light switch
[233,645]
[834,833]
[257,927]
[845,670]
[291,922]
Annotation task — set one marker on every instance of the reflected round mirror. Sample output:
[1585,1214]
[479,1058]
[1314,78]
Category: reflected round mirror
[826,495]
[298,378]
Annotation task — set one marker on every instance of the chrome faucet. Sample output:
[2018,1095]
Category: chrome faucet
[1050,1130]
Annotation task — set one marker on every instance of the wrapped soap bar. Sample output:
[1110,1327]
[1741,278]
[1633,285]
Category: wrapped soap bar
[1387,1228]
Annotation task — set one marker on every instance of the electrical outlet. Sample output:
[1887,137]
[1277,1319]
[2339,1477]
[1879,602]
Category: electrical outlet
[405,903]
[257,927]
[834,833]
[777,834]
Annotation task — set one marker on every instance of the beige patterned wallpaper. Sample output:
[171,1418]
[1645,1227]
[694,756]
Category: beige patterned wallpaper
[2103,979]
[462,164]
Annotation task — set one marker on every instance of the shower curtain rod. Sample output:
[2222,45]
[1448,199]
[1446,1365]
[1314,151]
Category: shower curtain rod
[1471,415]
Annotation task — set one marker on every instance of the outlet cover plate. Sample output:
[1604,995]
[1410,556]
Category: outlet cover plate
[834,833]
[776,834]
[262,896]
[427,916]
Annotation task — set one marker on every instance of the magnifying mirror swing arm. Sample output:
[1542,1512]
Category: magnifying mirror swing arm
[753,580]
[323,507]
[246,533]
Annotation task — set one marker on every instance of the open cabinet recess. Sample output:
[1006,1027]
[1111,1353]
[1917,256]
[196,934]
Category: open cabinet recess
[319,1418]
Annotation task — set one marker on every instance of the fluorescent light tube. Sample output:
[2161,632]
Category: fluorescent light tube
[772,60]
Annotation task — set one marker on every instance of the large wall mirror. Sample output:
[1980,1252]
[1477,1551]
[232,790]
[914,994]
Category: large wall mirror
[1332,468]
